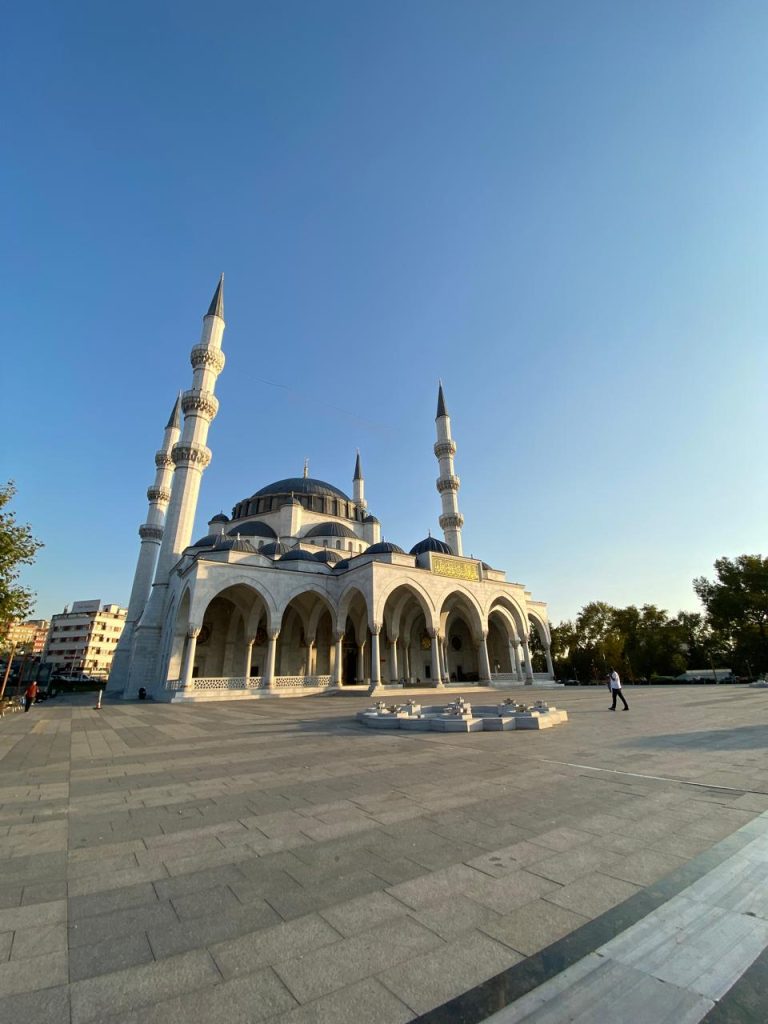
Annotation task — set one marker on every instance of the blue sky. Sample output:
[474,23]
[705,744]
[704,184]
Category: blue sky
[558,208]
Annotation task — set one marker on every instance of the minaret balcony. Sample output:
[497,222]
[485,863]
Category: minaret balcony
[163,459]
[451,521]
[196,401]
[158,494]
[448,483]
[210,358]
[444,448]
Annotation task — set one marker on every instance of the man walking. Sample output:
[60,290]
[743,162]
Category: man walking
[29,696]
[615,684]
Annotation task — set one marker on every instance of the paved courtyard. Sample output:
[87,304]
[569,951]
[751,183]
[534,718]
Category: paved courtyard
[275,861]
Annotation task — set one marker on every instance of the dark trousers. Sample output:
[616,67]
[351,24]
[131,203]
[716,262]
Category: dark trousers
[27,703]
[614,695]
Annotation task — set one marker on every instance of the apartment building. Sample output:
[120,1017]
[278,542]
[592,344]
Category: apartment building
[83,639]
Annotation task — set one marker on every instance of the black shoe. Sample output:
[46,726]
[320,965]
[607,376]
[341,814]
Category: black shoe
[625,709]
[611,709]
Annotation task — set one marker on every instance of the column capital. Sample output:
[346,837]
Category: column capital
[432,632]
[394,638]
[375,628]
[273,634]
[193,631]
[251,639]
[339,635]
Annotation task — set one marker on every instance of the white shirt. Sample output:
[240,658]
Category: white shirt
[615,681]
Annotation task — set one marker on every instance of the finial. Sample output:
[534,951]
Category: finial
[358,467]
[441,409]
[174,419]
[216,307]
[306,468]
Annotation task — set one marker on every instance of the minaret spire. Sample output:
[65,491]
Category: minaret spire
[451,521]
[358,485]
[151,533]
[216,307]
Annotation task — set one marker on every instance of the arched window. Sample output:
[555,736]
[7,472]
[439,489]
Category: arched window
[338,545]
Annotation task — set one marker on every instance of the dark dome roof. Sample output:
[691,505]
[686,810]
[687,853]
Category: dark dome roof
[330,530]
[220,518]
[384,547]
[205,542]
[274,550]
[327,556]
[253,529]
[370,519]
[301,485]
[431,544]
[343,564]
[233,544]
[297,555]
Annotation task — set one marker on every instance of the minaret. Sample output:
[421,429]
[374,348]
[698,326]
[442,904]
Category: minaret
[358,485]
[151,533]
[451,521]
[190,456]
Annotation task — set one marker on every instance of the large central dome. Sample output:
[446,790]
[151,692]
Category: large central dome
[301,485]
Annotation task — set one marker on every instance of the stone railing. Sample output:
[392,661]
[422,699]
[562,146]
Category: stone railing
[286,682]
[218,683]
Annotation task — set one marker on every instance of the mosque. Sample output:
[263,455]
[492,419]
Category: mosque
[296,592]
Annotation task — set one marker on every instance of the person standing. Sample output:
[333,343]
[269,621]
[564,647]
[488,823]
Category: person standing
[29,695]
[615,685]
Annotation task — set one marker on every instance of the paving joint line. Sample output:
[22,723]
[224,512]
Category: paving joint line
[654,778]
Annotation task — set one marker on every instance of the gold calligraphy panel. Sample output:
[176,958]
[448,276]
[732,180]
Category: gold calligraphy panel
[455,568]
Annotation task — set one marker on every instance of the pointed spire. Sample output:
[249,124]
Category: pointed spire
[306,468]
[358,468]
[175,417]
[441,409]
[216,307]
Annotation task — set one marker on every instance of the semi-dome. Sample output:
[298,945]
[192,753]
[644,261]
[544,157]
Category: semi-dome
[230,543]
[384,547]
[330,530]
[327,556]
[220,518]
[342,565]
[297,555]
[370,519]
[253,529]
[431,544]
[205,542]
[273,550]
[301,485]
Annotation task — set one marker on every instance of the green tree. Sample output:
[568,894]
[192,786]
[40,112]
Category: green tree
[736,604]
[17,547]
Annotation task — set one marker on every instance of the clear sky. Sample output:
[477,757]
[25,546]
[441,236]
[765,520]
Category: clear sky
[558,208]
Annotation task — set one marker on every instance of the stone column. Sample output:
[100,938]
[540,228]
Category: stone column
[437,679]
[407,659]
[249,642]
[484,661]
[193,632]
[269,672]
[514,660]
[527,660]
[394,675]
[550,665]
[375,656]
[338,668]
[360,663]
[309,671]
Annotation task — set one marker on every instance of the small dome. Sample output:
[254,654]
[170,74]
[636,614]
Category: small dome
[431,544]
[274,550]
[384,547]
[234,544]
[370,519]
[327,556]
[220,518]
[486,566]
[205,542]
[342,565]
[297,555]
[330,530]
[254,529]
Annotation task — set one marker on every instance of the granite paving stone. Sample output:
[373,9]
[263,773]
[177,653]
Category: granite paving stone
[276,838]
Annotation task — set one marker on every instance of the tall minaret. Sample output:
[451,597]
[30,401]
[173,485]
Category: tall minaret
[451,521]
[151,533]
[358,485]
[190,457]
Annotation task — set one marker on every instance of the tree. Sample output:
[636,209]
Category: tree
[17,547]
[736,604]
